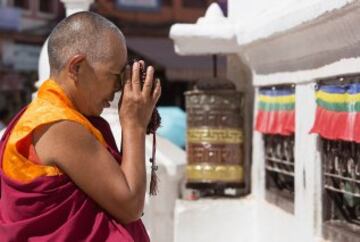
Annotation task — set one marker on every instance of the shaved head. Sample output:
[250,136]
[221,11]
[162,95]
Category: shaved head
[82,33]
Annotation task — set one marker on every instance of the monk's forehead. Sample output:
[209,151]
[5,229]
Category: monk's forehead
[114,43]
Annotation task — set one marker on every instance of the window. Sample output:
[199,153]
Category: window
[46,6]
[337,124]
[23,4]
[166,3]
[194,3]
[341,174]
[279,167]
[276,121]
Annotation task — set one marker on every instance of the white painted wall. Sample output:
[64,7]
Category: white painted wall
[343,66]
[215,220]
[252,219]
[273,223]
[259,19]
[159,210]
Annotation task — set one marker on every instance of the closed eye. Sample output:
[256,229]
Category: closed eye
[119,81]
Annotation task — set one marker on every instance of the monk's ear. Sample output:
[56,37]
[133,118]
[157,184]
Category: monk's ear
[74,65]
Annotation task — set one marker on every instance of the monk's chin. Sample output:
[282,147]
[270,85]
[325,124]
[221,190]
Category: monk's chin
[95,113]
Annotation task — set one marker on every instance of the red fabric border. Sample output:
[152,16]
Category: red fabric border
[275,122]
[337,125]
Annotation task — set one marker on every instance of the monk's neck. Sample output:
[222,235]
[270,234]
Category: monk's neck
[66,87]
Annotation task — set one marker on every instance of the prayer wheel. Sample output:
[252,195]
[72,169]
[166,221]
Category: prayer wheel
[214,137]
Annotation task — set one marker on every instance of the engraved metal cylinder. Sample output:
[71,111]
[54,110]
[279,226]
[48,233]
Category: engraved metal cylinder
[214,137]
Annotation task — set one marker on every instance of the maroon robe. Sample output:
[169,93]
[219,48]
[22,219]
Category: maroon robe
[53,208]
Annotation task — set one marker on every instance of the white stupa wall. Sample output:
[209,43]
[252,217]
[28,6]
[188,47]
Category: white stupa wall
[257,24]
[261,18]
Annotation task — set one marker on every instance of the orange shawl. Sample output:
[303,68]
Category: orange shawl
[51,105]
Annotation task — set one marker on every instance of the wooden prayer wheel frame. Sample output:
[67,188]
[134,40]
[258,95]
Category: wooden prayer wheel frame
[214,139]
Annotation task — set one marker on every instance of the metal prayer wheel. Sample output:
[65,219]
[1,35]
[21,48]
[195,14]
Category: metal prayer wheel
[214,137]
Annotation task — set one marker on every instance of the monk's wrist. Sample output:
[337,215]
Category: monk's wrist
[134,129]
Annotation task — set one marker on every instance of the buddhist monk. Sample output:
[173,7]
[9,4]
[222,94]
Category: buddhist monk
[62,176]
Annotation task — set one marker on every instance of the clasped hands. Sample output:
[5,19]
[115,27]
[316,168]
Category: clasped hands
[138,101]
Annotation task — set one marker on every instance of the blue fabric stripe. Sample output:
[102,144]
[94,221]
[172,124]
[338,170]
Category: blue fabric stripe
[351,88]
[277,92]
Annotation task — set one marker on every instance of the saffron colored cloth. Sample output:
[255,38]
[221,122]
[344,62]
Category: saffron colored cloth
[46,205]
[51,105]
[338,112]
[276,111]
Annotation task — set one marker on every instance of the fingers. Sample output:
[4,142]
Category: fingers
[149,81]
[142,63]
[150,89]
[157,90]
[136,82]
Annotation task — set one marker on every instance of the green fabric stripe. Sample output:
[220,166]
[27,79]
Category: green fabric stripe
[276,106]
[339,107]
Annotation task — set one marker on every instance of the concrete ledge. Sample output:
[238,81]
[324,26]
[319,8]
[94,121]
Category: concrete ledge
[214,220]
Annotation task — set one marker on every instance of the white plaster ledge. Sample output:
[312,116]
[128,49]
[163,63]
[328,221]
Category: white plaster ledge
[282,16]
[205,37]
[342,67]
[214,220]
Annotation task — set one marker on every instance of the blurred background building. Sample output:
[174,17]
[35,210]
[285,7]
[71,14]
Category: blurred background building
[25,25]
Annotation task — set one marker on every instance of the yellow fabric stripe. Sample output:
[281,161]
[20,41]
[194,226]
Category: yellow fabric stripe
[337,98]
[277,99]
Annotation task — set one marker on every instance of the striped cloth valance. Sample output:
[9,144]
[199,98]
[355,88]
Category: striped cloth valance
[276,111]
[338,112]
